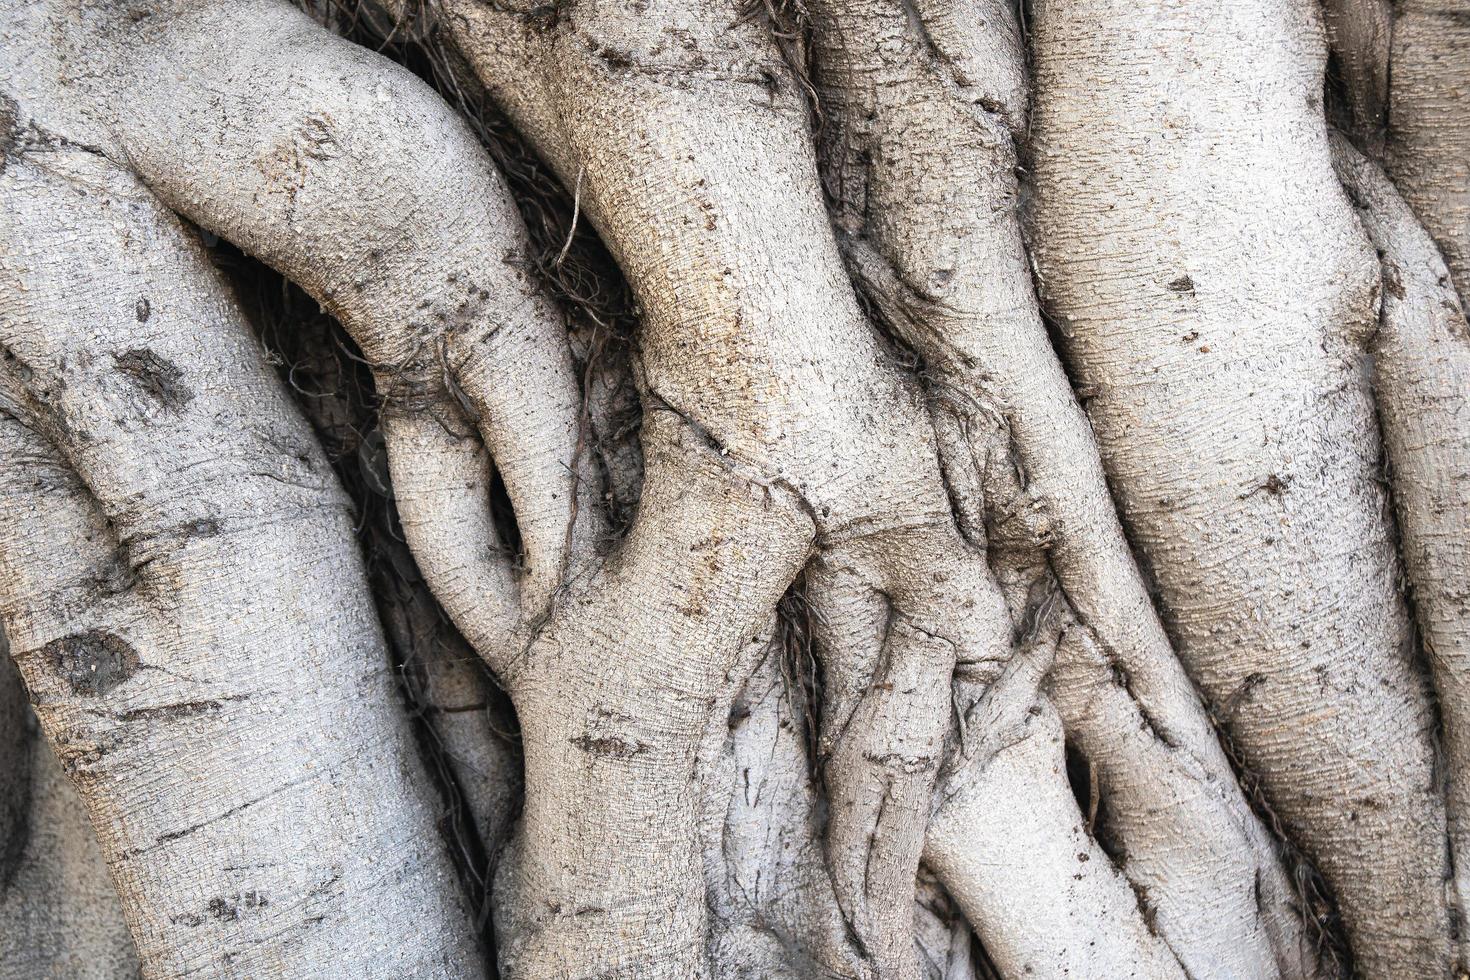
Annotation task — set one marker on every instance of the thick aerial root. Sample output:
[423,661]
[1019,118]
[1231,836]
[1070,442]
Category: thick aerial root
[686,211]
[58,913]
[674,201]
[1215,331]
[619,689]
[356,181]
[1421,355]
[927,250]
[466,723]
[178,569]
[1428,126]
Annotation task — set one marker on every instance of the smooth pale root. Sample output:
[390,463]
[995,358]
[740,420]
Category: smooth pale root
[1043,903]
[467,719]
[923,107]
[180,572]
[1428,125]
[1214,293]
[358,182]
[58,913]
[1422,360]
[355,180]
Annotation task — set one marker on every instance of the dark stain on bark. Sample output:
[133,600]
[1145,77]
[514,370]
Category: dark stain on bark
[204,527]
[614,58]
[613,746]
[173,712]
[223,909]
[158,377]
[1183,284]
[113,577]
[142,309]
[9,113]
[92,663]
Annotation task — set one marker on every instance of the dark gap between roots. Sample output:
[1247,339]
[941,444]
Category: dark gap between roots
[800,668]
[1082,778]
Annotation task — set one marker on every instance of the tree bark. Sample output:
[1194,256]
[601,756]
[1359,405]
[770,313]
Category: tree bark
[994,504]
[1215,294]
[155,452]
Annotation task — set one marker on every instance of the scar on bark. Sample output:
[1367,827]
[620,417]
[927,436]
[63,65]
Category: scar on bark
[223,909]
[173,712]
[614,746]
[9,112]
[158,377]
[136,552]
[92,663]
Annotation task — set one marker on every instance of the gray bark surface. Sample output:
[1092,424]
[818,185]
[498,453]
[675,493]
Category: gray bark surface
[864,489]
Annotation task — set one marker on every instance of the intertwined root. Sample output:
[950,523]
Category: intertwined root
[972,608]
[1428,149]
[866,633]
[1421,353]
[941,260]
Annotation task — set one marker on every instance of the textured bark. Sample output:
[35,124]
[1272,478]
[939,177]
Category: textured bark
[924,107]
[838,613]
[148,447]
[1429,128]
[1421,353]
[1215,294]
[796,411]
[466,726]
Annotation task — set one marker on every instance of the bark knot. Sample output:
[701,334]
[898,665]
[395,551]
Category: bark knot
[93,662]
[613,746]
[158,377]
